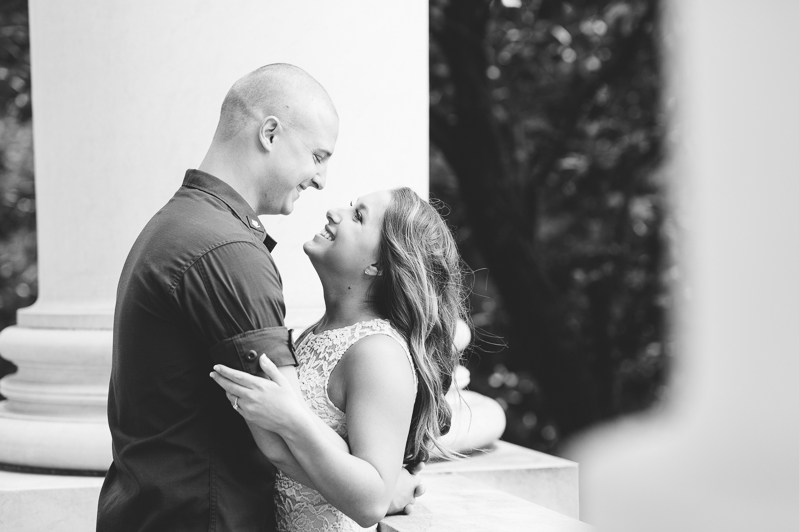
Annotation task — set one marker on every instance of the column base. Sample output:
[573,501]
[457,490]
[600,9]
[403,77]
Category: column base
[53,443]
[55,413]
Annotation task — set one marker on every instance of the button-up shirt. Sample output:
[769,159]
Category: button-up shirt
[199,287]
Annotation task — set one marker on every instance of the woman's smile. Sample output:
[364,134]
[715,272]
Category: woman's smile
[327,234]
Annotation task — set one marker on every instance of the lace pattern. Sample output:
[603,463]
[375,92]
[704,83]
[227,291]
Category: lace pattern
[300,508]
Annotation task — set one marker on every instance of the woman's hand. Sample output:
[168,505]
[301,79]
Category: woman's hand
[409,487]
[269,403]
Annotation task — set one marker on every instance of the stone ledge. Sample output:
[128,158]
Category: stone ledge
[507,488]
[454,503]
[33,503]
[534,476]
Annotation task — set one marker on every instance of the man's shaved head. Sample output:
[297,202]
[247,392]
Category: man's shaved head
[276,134]
[279,89]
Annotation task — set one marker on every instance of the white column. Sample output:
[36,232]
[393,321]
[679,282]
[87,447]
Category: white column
[126,97]
[722,455]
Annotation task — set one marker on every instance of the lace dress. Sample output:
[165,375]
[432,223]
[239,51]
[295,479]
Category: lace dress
[300,508]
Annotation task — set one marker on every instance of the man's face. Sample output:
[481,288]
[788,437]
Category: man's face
[299,158]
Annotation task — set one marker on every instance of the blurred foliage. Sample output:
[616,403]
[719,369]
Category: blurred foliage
[547,138]
[17,204]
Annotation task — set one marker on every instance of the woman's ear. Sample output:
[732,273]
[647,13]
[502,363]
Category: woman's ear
[373,270]
[266,133]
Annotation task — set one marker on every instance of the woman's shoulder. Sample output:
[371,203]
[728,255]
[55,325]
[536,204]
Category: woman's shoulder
[381,352]
[379,341]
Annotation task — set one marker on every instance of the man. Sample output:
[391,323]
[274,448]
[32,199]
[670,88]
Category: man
[199,287]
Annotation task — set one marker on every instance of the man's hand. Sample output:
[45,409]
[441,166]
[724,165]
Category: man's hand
[409,486]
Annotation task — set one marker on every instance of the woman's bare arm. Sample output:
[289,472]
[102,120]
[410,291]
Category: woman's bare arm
[275,448]
[379,403]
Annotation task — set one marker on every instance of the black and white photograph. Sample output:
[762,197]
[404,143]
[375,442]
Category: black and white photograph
[442,265]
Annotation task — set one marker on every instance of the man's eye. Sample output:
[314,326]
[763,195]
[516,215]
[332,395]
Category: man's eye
[358,217]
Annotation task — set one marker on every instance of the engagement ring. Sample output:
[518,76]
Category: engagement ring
[236,404]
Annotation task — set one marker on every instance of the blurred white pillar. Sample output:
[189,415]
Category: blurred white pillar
[723,454]
[126,96]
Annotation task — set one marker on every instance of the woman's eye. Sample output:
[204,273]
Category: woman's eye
[357,216]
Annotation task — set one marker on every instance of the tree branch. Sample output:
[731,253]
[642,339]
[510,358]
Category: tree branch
[579,101]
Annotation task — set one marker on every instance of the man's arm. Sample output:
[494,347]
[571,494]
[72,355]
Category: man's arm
[232,300]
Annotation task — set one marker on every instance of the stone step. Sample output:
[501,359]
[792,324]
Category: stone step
[51,503]
[506,488]
[454,503]
[537,477]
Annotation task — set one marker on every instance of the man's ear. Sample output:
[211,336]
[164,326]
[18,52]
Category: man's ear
[266,133]
[373,270]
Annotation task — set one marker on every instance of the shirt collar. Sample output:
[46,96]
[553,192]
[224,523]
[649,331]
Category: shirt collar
[200,180]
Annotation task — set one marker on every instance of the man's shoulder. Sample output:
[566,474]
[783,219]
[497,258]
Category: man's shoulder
[185,230]
[199,223]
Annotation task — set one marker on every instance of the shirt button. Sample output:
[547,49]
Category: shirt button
[252,355]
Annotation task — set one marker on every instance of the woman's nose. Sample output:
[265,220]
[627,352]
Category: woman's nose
[333,216]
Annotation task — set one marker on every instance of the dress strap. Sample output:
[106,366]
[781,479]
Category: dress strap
[368,328]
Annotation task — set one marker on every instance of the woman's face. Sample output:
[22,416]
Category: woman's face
[349,242]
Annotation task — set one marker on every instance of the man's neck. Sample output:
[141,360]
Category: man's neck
[228,168]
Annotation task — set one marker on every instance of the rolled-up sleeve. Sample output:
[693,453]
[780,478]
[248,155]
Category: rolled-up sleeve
[243,349]
[232,297]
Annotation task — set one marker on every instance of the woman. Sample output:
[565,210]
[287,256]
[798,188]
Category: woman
[375,368]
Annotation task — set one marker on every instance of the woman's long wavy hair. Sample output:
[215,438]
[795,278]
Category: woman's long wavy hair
[420,291]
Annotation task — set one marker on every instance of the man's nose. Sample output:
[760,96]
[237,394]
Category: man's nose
[319,180]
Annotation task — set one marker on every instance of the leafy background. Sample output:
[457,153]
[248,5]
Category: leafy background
[17,203]
[547,131]
[547,140]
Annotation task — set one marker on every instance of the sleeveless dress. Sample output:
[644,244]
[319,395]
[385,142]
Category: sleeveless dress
[300,508]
